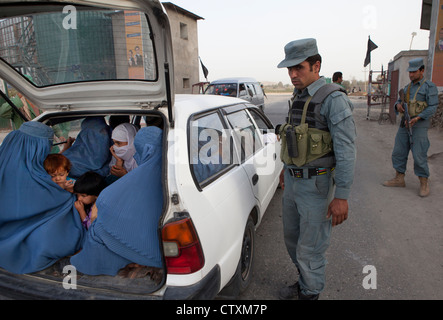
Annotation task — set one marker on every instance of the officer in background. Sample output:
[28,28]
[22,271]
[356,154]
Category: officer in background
[312,202]
[337,78]
[421,97]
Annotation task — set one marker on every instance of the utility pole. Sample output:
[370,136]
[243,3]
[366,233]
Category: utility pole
[413,35]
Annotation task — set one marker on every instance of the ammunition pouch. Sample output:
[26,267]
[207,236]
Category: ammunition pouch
[416,107]
[312,144]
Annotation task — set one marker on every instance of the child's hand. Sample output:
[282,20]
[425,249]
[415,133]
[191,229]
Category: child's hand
[94,212]
[81,209]
[69,186]
[79,205]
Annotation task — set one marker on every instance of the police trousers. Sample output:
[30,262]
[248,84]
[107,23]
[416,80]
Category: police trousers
[419,150]
[307,231]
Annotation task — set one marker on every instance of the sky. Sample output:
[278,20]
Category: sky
[246,38]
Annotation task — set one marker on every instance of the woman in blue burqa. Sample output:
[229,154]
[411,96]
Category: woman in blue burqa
[38,221]
[90,151]
[126,228]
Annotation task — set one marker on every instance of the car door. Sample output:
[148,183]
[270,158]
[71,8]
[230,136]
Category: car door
[259,158]
[252,93]
[222,199]
[259,96]
[243,92]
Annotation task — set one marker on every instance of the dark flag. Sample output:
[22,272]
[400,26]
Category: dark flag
[371,46]
[205,70]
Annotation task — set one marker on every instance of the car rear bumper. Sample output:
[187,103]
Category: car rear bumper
[206,289]
[29,287]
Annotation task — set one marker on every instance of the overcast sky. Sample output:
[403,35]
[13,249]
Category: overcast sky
[247,37]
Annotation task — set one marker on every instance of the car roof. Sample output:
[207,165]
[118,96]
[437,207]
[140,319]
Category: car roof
[193,103]
[234,80]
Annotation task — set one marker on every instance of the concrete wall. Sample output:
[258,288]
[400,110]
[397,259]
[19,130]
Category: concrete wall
[401,63]
[186,60]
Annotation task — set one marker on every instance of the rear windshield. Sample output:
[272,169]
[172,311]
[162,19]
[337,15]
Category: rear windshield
[226,89]
[76,44]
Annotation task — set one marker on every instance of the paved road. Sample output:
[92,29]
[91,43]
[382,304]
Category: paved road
[393,230]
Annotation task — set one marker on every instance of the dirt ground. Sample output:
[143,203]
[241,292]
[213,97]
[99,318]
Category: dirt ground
[393,230]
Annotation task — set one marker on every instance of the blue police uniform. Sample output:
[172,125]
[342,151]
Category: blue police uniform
[306,197]
[423,91]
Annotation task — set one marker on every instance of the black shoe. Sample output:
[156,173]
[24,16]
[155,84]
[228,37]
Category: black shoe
[289,293]
[302,296]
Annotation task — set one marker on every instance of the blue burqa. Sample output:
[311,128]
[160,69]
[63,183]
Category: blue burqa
[38,221]
[126,228]
[90,151]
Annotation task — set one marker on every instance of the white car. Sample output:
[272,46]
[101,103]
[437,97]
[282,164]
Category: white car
[244,88]
[221,161]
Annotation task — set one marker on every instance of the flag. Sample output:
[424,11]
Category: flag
[371,46]
[205,70]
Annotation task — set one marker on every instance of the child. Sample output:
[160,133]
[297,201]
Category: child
[88,188]
[58,167]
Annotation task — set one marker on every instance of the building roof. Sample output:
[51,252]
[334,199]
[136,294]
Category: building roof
[410,53]
[426,13]
[171,6]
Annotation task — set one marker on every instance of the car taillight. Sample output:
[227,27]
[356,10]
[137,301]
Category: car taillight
[183,252]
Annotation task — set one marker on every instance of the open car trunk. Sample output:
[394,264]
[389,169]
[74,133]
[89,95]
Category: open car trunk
[132,281]
[77,59]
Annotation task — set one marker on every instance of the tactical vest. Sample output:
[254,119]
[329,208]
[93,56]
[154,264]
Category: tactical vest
[415,107]
[307,131]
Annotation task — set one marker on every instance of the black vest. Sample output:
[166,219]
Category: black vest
[314,119]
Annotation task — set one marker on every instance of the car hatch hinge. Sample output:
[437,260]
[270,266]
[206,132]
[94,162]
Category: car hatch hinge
[145,105]
[64,107]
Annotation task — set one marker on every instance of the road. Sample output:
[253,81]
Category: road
[393,231]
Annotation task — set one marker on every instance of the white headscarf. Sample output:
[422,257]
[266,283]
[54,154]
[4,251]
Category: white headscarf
[125,132]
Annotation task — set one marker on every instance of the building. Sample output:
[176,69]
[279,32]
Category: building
[185,47]
[432,20]
[399,65]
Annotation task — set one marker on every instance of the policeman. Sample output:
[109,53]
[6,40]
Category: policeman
[422,101]
[315,191]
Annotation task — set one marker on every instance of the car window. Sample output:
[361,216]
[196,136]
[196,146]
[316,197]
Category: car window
[226,89]
[266,128]
[242,90]
[258,88]
[15,109]
[262,125]
[246,136]
[210,152]
[65,46]
[251,89]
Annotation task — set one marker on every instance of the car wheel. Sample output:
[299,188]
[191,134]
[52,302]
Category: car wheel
[247,255]
[243,275]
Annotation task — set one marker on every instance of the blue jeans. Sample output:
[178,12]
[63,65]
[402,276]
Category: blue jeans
[306,229]
[420,149]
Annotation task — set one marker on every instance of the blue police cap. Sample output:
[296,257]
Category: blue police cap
[415,64]
[298,51]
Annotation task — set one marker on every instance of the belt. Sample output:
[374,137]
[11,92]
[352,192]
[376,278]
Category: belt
[311,172]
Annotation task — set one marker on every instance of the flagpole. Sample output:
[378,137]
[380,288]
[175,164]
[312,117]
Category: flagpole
[370,68]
